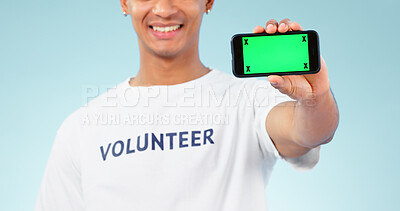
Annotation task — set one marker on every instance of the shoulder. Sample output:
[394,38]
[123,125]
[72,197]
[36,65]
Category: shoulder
[103,103]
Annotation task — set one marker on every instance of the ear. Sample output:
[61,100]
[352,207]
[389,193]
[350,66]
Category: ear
[209,4]
[124,5]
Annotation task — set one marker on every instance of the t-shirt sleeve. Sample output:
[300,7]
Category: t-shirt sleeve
[265,98]
[61,186]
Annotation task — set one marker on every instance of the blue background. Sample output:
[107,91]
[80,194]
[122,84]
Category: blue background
[51,50]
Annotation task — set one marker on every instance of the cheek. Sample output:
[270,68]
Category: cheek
[195,9]
[194,12]
[138,11]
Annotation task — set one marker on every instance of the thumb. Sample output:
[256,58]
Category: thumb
[281,83]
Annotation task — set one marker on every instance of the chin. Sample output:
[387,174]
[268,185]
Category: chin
[166,53]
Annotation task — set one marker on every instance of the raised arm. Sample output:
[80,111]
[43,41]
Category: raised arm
[298,126]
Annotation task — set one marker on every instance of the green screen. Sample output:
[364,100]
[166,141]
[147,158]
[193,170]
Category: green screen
[278,53]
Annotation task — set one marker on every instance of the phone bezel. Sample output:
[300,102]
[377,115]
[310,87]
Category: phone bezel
[237,54]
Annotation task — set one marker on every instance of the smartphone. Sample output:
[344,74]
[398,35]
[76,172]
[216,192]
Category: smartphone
[290,53]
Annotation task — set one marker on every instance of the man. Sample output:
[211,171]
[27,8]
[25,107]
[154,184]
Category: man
[181,136]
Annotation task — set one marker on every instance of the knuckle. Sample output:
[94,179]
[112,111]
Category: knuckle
[291,88]
[284,20]
[272,21]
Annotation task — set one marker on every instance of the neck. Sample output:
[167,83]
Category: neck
[157,70]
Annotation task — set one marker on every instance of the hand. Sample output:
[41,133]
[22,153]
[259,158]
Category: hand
[298,87]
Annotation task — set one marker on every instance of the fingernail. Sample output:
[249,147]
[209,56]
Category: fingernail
[274,83]
[282,26]
[270,27]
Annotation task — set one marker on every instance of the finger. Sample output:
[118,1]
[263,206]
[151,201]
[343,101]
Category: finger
[280,83]
[316,79]
[258,29]
[284,25]
[271,26]
[295,27]
[295,86]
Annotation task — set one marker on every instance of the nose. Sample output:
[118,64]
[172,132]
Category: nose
[164,8]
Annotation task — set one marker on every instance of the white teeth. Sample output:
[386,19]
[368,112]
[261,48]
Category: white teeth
[166,29]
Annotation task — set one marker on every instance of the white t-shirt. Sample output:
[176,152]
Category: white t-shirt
[196,146]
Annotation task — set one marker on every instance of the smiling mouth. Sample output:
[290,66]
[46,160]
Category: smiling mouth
[166,29]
